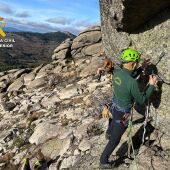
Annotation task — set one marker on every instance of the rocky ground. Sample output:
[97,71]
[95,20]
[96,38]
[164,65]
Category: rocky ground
[54,111]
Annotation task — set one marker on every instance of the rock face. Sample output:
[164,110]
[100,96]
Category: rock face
[146,37]
[127,15]
[151,39]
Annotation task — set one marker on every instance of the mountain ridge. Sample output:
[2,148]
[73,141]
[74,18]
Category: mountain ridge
[30,48]
[12,29]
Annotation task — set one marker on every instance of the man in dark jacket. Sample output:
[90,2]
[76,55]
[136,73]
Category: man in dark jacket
[126,93]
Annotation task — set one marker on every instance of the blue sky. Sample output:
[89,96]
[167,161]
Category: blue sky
[50,15]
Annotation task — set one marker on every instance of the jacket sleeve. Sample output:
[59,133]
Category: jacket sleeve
[141,97]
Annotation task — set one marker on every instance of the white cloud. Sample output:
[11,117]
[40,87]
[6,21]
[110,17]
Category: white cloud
[83,23]
[23,14]
[6,8]
[26,25]
[60,20]
[29,24]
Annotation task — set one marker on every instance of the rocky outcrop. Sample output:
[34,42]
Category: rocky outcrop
[87,38]
[87,44]
[63,50]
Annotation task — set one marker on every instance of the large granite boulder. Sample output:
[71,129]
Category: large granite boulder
[90,29]
[90,69]
[20,72]
[44,131]
[64,45]
[29,77]
[56,147]
[16,85]
[37,83]
[68,92]
[92,50]
[88,37]
[63,50]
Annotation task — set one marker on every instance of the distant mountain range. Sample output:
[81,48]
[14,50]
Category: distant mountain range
[11,29]
[30,49]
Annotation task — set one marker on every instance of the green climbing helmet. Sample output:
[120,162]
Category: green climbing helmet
[129,55]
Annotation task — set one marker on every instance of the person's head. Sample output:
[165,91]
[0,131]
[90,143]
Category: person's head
[130,58]
[107,63]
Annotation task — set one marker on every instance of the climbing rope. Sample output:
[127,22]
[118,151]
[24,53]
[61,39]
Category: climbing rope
[130,141]
[145,122]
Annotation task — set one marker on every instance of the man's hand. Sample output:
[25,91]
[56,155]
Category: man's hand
[145,63]
[99,73]
[105,113]
[99,70]
[152,80]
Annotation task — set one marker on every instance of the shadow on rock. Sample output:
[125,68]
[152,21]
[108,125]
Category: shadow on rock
[161,17]
[137,140]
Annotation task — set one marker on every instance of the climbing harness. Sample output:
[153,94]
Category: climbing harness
[125,119]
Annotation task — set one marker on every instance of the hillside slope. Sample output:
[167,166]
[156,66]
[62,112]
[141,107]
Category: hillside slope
[30,49]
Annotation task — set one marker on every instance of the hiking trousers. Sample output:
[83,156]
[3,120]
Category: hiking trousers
[115,129]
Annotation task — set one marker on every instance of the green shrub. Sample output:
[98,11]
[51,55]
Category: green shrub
[18,141]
